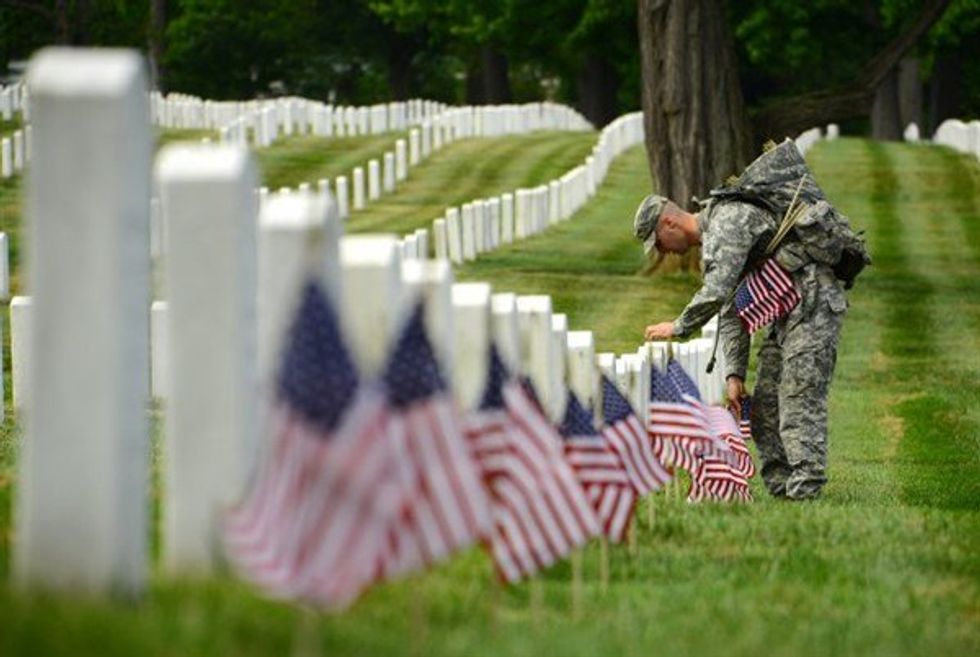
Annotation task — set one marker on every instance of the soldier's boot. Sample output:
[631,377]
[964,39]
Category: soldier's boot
[774,467]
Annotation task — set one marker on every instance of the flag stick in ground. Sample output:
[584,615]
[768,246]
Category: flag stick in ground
[577,584]
[537,602]
[419,602]
[631,539]
[604,564]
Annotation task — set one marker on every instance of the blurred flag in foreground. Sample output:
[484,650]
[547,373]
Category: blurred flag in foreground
[444,507]
[313,522]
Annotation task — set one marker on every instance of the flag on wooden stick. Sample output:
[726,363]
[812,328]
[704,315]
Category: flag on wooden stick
[444,507]
[540,512]
[626,436]
[315,517]
[599,470]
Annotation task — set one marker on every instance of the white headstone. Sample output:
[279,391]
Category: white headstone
[422,242]
[468,226]
[82,508]
[359,190]
[159,350]
[454,233]
[440,239]
[507,218]
[389,172]
[374,304]
[211,218]
[559,337]
[537,348]
[506,330]
[374,180]
[298,238]
[581,367]
[401,160]
[6,158]
[471,307]
[432,281]
[4,267]
[343,198]
[20,351]
[414,147]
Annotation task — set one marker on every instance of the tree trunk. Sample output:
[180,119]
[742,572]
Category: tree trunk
[945,90]
[909,92]
[158,44]
[598,86]
[474,85]
[399,74]
[696,127]
[495,76]
[886,120]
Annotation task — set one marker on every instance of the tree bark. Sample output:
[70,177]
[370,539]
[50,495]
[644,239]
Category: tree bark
[495,72]
[909,92]
[158,44]
[790,116]
[886,120]
[598,86]
[945,90]
[697,131]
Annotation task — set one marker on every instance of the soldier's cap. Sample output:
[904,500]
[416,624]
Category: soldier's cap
[645,221]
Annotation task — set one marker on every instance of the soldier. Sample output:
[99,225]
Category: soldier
[797,358]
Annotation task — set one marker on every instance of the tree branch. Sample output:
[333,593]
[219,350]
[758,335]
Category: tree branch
[790,116]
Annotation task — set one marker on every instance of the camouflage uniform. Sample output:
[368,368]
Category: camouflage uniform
[797,357]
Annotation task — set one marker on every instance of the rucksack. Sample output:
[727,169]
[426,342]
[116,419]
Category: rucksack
[820,234]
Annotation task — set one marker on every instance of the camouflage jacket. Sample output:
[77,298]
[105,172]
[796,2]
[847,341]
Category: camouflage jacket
[734,236]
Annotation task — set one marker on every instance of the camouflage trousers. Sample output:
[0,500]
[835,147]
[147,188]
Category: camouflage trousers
[796,364]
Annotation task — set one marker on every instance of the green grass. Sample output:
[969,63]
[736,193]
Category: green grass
[887,563]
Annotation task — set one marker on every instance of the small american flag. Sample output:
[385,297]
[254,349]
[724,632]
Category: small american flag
[717,447]
[599,470]
[313,521]
[743,411]
[445,507]
[540,512]
[722,479]
[679,427]
[765,295]
[626,436]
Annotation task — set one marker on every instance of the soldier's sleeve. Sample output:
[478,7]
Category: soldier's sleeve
[734,229]
[735,342]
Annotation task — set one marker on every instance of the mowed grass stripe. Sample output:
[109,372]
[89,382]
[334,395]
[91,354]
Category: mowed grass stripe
[935,308]
[467,170]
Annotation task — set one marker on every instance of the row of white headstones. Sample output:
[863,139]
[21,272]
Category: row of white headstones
[264,120]
[960,135]
[232,273]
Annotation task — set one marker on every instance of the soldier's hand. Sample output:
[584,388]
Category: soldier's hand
[661,331]
[736,390]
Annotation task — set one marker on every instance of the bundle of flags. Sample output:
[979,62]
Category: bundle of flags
[365,480]
[702,439]
[765,295]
